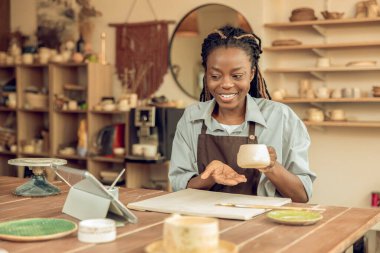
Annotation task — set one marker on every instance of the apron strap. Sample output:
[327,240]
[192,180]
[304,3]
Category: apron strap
[252,139]
[204,127]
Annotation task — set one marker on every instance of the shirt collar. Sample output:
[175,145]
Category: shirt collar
[252,114]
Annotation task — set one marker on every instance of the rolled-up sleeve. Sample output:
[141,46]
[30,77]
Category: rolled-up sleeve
[295,146]
[182,164]
[297,159]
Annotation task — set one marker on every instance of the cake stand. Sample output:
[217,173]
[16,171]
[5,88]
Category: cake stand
[37,186]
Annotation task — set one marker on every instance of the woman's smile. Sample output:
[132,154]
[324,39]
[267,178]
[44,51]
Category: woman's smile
[227,97]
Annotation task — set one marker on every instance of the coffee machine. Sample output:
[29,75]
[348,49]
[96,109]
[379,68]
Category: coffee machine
[151,127]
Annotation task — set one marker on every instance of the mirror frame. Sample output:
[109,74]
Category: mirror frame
[172,71]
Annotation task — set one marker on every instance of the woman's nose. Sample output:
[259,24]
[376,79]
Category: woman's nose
[227,83]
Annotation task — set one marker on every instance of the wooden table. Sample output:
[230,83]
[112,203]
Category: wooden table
[339,228]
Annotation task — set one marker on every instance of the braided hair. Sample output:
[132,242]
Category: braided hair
[229,36]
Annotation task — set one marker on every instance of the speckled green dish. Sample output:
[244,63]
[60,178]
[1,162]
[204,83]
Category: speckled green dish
[36,229]
[294,217]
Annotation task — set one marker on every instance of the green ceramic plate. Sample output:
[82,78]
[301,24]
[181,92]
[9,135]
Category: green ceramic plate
[294,217]
[36,229]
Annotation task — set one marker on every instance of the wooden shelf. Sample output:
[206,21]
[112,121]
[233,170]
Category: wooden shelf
[108,159]
[69,64]
[4,152]
[43,154]
[74,87]
[7,109]
[344,123]
[315,69]
[325,46]
[34,109]
[331,22]
[71,111]
[71,157]
[109,112]
[330,100]
[7,66]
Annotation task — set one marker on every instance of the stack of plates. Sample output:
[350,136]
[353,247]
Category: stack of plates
[376,91]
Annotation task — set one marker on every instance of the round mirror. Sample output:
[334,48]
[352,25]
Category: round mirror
[186,42]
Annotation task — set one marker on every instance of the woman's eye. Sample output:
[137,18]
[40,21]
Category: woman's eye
[215,77]
[237,76]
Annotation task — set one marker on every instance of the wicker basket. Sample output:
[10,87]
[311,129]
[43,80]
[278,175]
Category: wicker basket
[36,100]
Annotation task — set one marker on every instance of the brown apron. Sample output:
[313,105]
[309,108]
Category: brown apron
[225,149]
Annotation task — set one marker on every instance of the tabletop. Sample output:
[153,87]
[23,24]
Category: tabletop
[339,228]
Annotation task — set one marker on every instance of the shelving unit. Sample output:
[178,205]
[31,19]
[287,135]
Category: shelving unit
[326,23]
[375,124]
[89,82]
[7,73]
[330,100]
[349,45]
[327,75]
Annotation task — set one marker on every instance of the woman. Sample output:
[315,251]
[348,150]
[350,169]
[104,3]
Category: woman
[236,109]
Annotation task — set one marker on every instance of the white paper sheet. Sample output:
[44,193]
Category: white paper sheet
[203,203]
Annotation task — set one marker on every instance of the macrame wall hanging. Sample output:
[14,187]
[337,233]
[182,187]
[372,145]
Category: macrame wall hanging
[142,54]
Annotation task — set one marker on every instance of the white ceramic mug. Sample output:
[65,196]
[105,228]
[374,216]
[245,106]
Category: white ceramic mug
[189,234]
[252,156]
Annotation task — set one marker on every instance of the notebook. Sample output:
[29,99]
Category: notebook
[203,203]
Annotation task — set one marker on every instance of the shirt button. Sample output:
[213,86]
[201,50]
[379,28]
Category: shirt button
[252,137]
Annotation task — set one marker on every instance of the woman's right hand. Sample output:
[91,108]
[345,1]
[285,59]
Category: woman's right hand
[223,174]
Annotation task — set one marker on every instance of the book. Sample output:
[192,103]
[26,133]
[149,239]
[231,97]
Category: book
[204,203]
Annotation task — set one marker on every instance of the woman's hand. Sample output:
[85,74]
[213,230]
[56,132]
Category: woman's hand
[273,160]
[223,174]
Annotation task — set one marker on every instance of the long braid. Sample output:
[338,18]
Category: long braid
[229,36]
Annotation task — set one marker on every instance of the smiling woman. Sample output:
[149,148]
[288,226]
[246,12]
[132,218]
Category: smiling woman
[185,44]
[236,109]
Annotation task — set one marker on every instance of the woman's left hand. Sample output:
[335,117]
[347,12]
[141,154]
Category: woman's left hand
[273,160]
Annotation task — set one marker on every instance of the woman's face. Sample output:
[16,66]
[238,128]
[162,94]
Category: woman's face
[228,77]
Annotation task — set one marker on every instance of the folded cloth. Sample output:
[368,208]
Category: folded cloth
[288,42]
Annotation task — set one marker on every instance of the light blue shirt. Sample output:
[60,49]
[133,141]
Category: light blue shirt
[276,125]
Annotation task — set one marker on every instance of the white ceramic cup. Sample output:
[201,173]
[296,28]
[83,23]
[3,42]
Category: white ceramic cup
[315,115]
[189,234]
[120,151]
[97,230]
[27,58]
[356,93]
[277,95]
[347,92]
[337,93]
[72,105]
[337,114]
[323,92]
[252,156]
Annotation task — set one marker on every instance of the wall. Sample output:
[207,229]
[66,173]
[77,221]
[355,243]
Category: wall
[345,159]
